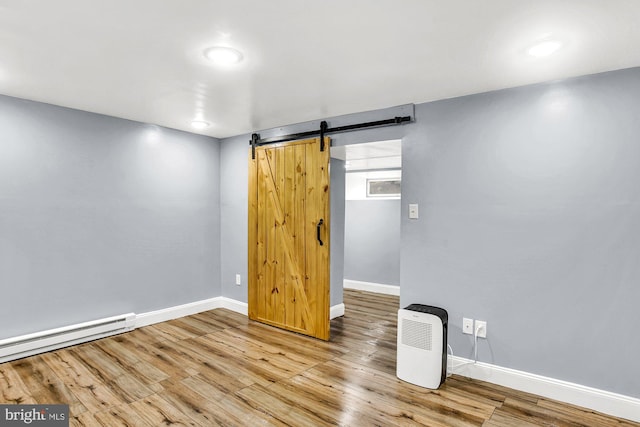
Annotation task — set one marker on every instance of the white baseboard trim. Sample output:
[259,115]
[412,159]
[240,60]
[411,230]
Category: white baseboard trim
[235,305]
[170,313]
[378,288]
[603,401]
[336,311]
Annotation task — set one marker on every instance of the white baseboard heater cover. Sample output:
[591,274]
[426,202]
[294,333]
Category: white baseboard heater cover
[40,342]
[422,345]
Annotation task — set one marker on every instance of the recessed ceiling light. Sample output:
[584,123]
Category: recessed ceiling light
[222,55]
[544,48]
[200,124]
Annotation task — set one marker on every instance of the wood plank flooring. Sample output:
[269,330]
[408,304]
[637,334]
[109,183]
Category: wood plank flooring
[219,368]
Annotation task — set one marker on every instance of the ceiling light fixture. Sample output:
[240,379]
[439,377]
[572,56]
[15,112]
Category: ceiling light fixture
[222,55]
[544,48]
[200,124]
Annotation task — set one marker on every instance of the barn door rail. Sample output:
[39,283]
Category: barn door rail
[324,130]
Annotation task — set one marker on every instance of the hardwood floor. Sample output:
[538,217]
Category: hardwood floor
[219,368]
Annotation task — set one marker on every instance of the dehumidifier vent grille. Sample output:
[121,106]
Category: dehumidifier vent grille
[417,334]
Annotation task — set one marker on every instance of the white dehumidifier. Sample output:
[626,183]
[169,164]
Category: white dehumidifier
[422,345]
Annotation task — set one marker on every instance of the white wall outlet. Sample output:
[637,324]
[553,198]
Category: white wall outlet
[467,326]
[413,211]
[238,279]
[481,328]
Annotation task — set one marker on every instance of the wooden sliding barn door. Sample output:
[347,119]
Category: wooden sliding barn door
[289,236]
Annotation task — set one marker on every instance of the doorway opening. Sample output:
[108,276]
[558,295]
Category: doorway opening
[373,176]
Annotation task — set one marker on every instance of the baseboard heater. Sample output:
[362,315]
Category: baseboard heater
[40,342]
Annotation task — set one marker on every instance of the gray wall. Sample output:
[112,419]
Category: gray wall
[234,158]
[372,241]
[530,220]
[101,216]
[337,219]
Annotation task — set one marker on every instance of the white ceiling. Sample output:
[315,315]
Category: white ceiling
[304,60]
[370,155]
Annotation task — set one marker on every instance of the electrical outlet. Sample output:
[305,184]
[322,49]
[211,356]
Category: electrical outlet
[413,211]
[481,328]
[467,326]
[238,279]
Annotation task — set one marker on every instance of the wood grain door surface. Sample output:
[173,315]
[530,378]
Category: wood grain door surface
[289,236]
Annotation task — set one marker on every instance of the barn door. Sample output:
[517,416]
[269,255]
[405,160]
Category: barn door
[289,236]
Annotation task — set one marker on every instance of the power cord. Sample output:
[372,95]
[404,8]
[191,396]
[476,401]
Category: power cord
[475,352]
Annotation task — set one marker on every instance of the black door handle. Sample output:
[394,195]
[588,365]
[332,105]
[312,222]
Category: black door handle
[318,231]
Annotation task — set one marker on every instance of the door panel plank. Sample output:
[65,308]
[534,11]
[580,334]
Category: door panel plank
[311,221]
[318,256]
[272,225]
[288,202]
[323,253]
[280,260]
[261,261]
[299,224]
